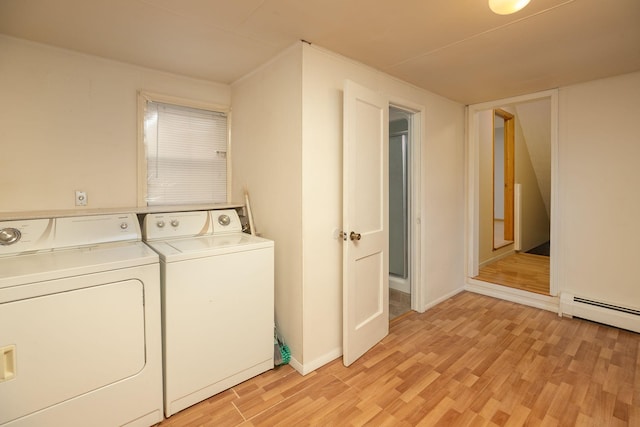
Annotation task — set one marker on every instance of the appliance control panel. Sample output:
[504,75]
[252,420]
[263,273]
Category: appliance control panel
[226,221]
[26,235]
[32,235]
[94,229]
[176,224]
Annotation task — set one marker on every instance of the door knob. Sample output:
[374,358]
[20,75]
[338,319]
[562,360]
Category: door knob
[355,236]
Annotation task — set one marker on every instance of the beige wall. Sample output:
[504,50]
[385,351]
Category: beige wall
[599,150]
[534,219]
[68,122]
[266,146]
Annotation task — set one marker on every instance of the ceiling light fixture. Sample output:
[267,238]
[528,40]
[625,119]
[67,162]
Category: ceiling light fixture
[506,7]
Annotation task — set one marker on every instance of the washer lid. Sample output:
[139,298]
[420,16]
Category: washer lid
[198,247]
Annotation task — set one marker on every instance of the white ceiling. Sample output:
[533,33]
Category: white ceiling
[456,48]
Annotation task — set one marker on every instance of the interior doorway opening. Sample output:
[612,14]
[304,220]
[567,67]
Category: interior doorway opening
[518,258]
[401,140]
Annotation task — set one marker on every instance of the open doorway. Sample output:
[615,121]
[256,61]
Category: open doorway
[400,143]
[515,262]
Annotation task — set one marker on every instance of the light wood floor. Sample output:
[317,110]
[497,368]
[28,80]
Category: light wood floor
[522,271]
[470,361]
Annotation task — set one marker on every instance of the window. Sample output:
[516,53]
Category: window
[185,153]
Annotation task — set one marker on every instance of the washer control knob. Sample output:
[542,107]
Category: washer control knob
[160,224]
[224,220]
[124,225]
[9,236]
[175,223]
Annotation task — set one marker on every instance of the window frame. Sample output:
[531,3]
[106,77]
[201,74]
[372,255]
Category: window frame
[143,98]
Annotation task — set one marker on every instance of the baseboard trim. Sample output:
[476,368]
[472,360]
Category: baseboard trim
[530,299]
[441,299]
[496,258]
[306,368]
[400,284]
[296,365]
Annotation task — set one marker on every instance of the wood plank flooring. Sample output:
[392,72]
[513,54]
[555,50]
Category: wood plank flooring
[470,361]
[522,271]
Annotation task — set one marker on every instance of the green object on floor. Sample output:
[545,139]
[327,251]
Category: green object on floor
[281,352]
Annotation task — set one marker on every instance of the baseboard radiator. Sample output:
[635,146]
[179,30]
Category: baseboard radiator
[601,312]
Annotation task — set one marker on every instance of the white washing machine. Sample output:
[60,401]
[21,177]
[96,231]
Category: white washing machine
[80,338]
[217,303]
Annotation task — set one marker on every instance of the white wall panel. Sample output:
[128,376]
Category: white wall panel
[599,194]
[266,146]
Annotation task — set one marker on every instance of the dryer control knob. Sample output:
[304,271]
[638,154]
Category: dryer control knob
[224,220]
[160,224]
[124,225]
[175,223]
[9,236]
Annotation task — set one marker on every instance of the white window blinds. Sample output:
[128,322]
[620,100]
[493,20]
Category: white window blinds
[186,151]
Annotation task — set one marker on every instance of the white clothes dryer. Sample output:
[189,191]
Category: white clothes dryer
[80,338]
[217,303]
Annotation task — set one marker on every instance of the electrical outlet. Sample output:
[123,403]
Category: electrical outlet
[81,198]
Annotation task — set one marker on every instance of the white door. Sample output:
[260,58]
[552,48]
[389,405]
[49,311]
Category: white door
[365,221]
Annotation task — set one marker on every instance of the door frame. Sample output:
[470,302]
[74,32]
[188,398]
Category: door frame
[472,238]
